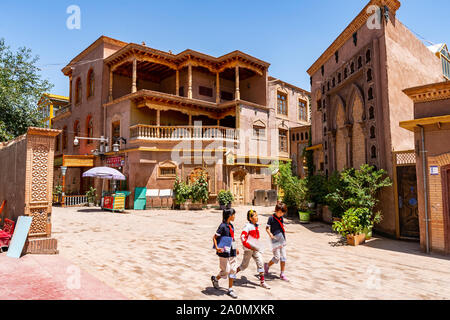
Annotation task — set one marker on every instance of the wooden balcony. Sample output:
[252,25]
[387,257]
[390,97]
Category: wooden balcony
[177,133]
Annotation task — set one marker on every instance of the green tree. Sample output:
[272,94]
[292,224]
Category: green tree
[21,87]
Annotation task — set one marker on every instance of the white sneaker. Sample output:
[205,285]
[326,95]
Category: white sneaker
[265,285]
[232,294]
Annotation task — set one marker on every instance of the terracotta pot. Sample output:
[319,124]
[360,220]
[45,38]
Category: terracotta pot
[327,216]
[356,240]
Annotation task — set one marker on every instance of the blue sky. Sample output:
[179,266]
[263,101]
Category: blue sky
[289,34]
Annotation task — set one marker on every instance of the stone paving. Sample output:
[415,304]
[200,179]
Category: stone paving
[163,254]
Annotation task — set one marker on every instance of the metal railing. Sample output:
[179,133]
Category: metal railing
[148,132]
[75,201]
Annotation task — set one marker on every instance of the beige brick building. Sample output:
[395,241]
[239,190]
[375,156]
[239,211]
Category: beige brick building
[174,115]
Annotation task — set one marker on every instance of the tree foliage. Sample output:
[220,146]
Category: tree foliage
[21,87]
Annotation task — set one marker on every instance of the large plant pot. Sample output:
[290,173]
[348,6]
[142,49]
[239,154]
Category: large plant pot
[195,206]
[305,217]
[223,206]
[356,240]
[327,215]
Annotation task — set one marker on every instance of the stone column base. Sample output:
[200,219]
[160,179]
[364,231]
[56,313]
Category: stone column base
[41,246]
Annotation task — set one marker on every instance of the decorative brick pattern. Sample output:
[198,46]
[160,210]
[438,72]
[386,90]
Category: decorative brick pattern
[41,246]
[358,139]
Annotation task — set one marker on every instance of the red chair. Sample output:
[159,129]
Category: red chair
[7,233]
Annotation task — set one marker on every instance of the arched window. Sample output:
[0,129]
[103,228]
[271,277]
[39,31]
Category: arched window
[303,137]
[64,138]
[352,68]
[368,56]
[372,132]
[373,152]
[306,136]
[293,137]
[324,117]
[90,83]
[371,113]
[370,94]
[325,131]
[326,159]
[369,75]
[326,145]
[345,73]
[89,128]
[76,128]
[334,82]
[359,63]
[298,137]
[339,77]
[78,91]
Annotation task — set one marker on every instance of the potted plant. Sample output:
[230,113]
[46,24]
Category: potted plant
[352,225]
[57,193]
[225,198]
[91,195]
[181,191]
[199,193]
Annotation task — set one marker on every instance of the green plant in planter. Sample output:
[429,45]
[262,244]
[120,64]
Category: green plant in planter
[91,194]
[199,192]
[181,191]
[352,222]
[225,197]
[295,189]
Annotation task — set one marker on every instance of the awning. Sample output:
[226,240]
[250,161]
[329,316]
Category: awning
[315,147]
[411,124]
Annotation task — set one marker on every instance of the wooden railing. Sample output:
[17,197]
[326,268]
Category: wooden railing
[147,132]
[75,201]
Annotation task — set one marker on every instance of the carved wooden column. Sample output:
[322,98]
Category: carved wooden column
[237,95]
[133,85]
[217,87]
[158,122]
[177,83]
[190,81]
[111,77]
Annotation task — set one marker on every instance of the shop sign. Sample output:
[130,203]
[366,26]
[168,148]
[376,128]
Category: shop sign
[434,170]
[115,162]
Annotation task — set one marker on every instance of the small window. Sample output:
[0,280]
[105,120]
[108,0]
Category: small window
[328,86]
[324,117]
[355,39]
[283,140]
[322,70]
[167,172]
[368,56]
[325,131]
[306,136]
[293,137]
[359,63]
[78,91]
[369,75]
[225,95]
[373,152]
[372,132]
[282,104]
[205,91]
[371,113]
[302,110]
[352,68]
[339,77]
[345,73]
[323,89]
[90,83]
[334,82]
[326,159]
[259,132]
[326,145]
[319,104]
[336,56]
[370,94]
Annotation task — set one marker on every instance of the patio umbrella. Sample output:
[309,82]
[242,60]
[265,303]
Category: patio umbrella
[104,173]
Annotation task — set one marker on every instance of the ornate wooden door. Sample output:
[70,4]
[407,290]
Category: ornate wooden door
[407,202]
[239,187]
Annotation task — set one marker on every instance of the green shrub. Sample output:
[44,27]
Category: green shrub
[91,194]
[225,197]
[199,190]
[181,191]
[295,189]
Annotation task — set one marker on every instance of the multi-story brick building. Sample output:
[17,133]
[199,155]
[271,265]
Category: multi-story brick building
[431,128]
[357,103]
[174,115]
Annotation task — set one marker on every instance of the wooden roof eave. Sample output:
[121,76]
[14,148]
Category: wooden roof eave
[412,124]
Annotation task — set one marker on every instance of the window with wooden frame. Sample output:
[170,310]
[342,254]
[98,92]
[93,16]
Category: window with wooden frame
[89,128]
[302,110]
[167,170]
[76,129]
[90,83]
[64,138]
[205,91]
[78,91]
[282,104]
[259,131]
[283,140]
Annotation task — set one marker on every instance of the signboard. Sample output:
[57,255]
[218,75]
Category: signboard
[78,161]
[115,162]
[434,170]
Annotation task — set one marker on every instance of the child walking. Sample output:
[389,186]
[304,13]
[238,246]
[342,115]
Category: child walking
[227,254]
[277,232]
[250,238]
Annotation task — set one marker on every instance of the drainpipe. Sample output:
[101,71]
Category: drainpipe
[425,186]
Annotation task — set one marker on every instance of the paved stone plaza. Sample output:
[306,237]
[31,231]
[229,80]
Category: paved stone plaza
[162,254]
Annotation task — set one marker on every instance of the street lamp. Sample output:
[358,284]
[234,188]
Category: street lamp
[116,145]
[103,141]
